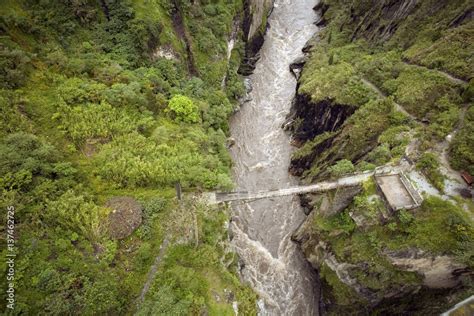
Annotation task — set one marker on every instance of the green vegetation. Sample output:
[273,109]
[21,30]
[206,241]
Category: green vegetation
[109,121]
[461,150]
[360,131]
[405,64]
[192,274]
[336,81]
[184,109]
[429,164]
[364,244]
[443,48]
[342,167]
[134,160]
[388,61]
[338,291]
[424,93]
[437,216]
[117,98]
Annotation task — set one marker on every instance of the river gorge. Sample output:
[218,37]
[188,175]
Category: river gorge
[261,230]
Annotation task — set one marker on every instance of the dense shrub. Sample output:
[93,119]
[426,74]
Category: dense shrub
[108,121]
[77,213]
[183,109]
[337,82]
[14,66]
[423,93]
[342,167]
[26,161]
[462,147]
[134,160]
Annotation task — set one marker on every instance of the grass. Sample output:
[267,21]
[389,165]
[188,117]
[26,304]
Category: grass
[364,246]
[195,274]
[449,52]
[326,78]
[423,93]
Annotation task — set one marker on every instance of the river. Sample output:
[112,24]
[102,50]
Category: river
[271,262]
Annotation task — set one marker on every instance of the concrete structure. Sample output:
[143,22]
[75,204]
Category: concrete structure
[398,191]
[391,182]
[464,308]
[349,181]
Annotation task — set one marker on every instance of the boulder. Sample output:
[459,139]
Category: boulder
[125,216]
[296,67]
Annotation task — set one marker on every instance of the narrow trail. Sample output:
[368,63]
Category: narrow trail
[383,95]
[441,72]
[453,182]
[153,270]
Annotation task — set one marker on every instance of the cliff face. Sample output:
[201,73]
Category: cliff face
[254,27]
[372,260]
[313,118]
[358,272]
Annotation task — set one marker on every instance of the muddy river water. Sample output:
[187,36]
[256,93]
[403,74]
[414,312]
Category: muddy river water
[262,229]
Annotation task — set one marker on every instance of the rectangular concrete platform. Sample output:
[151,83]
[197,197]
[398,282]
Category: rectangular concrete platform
[396,190]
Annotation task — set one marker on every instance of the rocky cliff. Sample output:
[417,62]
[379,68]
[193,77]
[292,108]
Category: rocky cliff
[372,260]
[361,270]
[254,27]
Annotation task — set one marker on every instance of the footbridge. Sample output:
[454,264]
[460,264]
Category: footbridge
[392,183]
[349,181]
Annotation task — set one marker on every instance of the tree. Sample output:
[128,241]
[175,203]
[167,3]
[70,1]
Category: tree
[342,167]
[183,109]
[14,67]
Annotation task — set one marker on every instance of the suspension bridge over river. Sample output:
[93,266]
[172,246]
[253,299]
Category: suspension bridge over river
[218,197]
[393,184]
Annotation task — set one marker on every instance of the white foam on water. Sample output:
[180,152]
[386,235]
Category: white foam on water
[272,263]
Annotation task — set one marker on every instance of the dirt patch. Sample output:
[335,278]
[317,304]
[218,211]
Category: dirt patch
[91,146]
[125,217]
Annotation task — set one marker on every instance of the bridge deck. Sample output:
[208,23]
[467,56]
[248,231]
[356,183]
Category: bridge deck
[318,187]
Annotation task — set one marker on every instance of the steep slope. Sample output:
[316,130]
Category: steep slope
[119,99]
[387,81]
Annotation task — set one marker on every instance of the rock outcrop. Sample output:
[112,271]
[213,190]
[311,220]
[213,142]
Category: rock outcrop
[394,278]
[439,272]
[310,119]
[329,203]
[254,28]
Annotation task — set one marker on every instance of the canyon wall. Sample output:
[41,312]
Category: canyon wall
[372,260]
[254,26]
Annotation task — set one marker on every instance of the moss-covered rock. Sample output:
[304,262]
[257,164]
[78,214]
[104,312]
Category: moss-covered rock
[372,260]
[255,25]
